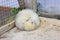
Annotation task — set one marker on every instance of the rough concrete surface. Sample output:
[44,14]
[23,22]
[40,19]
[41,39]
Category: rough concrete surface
[49,30]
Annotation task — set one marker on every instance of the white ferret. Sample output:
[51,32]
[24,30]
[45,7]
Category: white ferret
[27,20]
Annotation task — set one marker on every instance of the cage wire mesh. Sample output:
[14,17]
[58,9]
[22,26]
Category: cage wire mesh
[7,16]
[43,6]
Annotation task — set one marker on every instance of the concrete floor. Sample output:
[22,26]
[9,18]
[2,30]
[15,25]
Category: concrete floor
[49,30]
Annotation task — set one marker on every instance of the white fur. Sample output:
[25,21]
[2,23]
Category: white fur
[23,16]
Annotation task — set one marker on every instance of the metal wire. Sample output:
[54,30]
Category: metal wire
[7,17]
